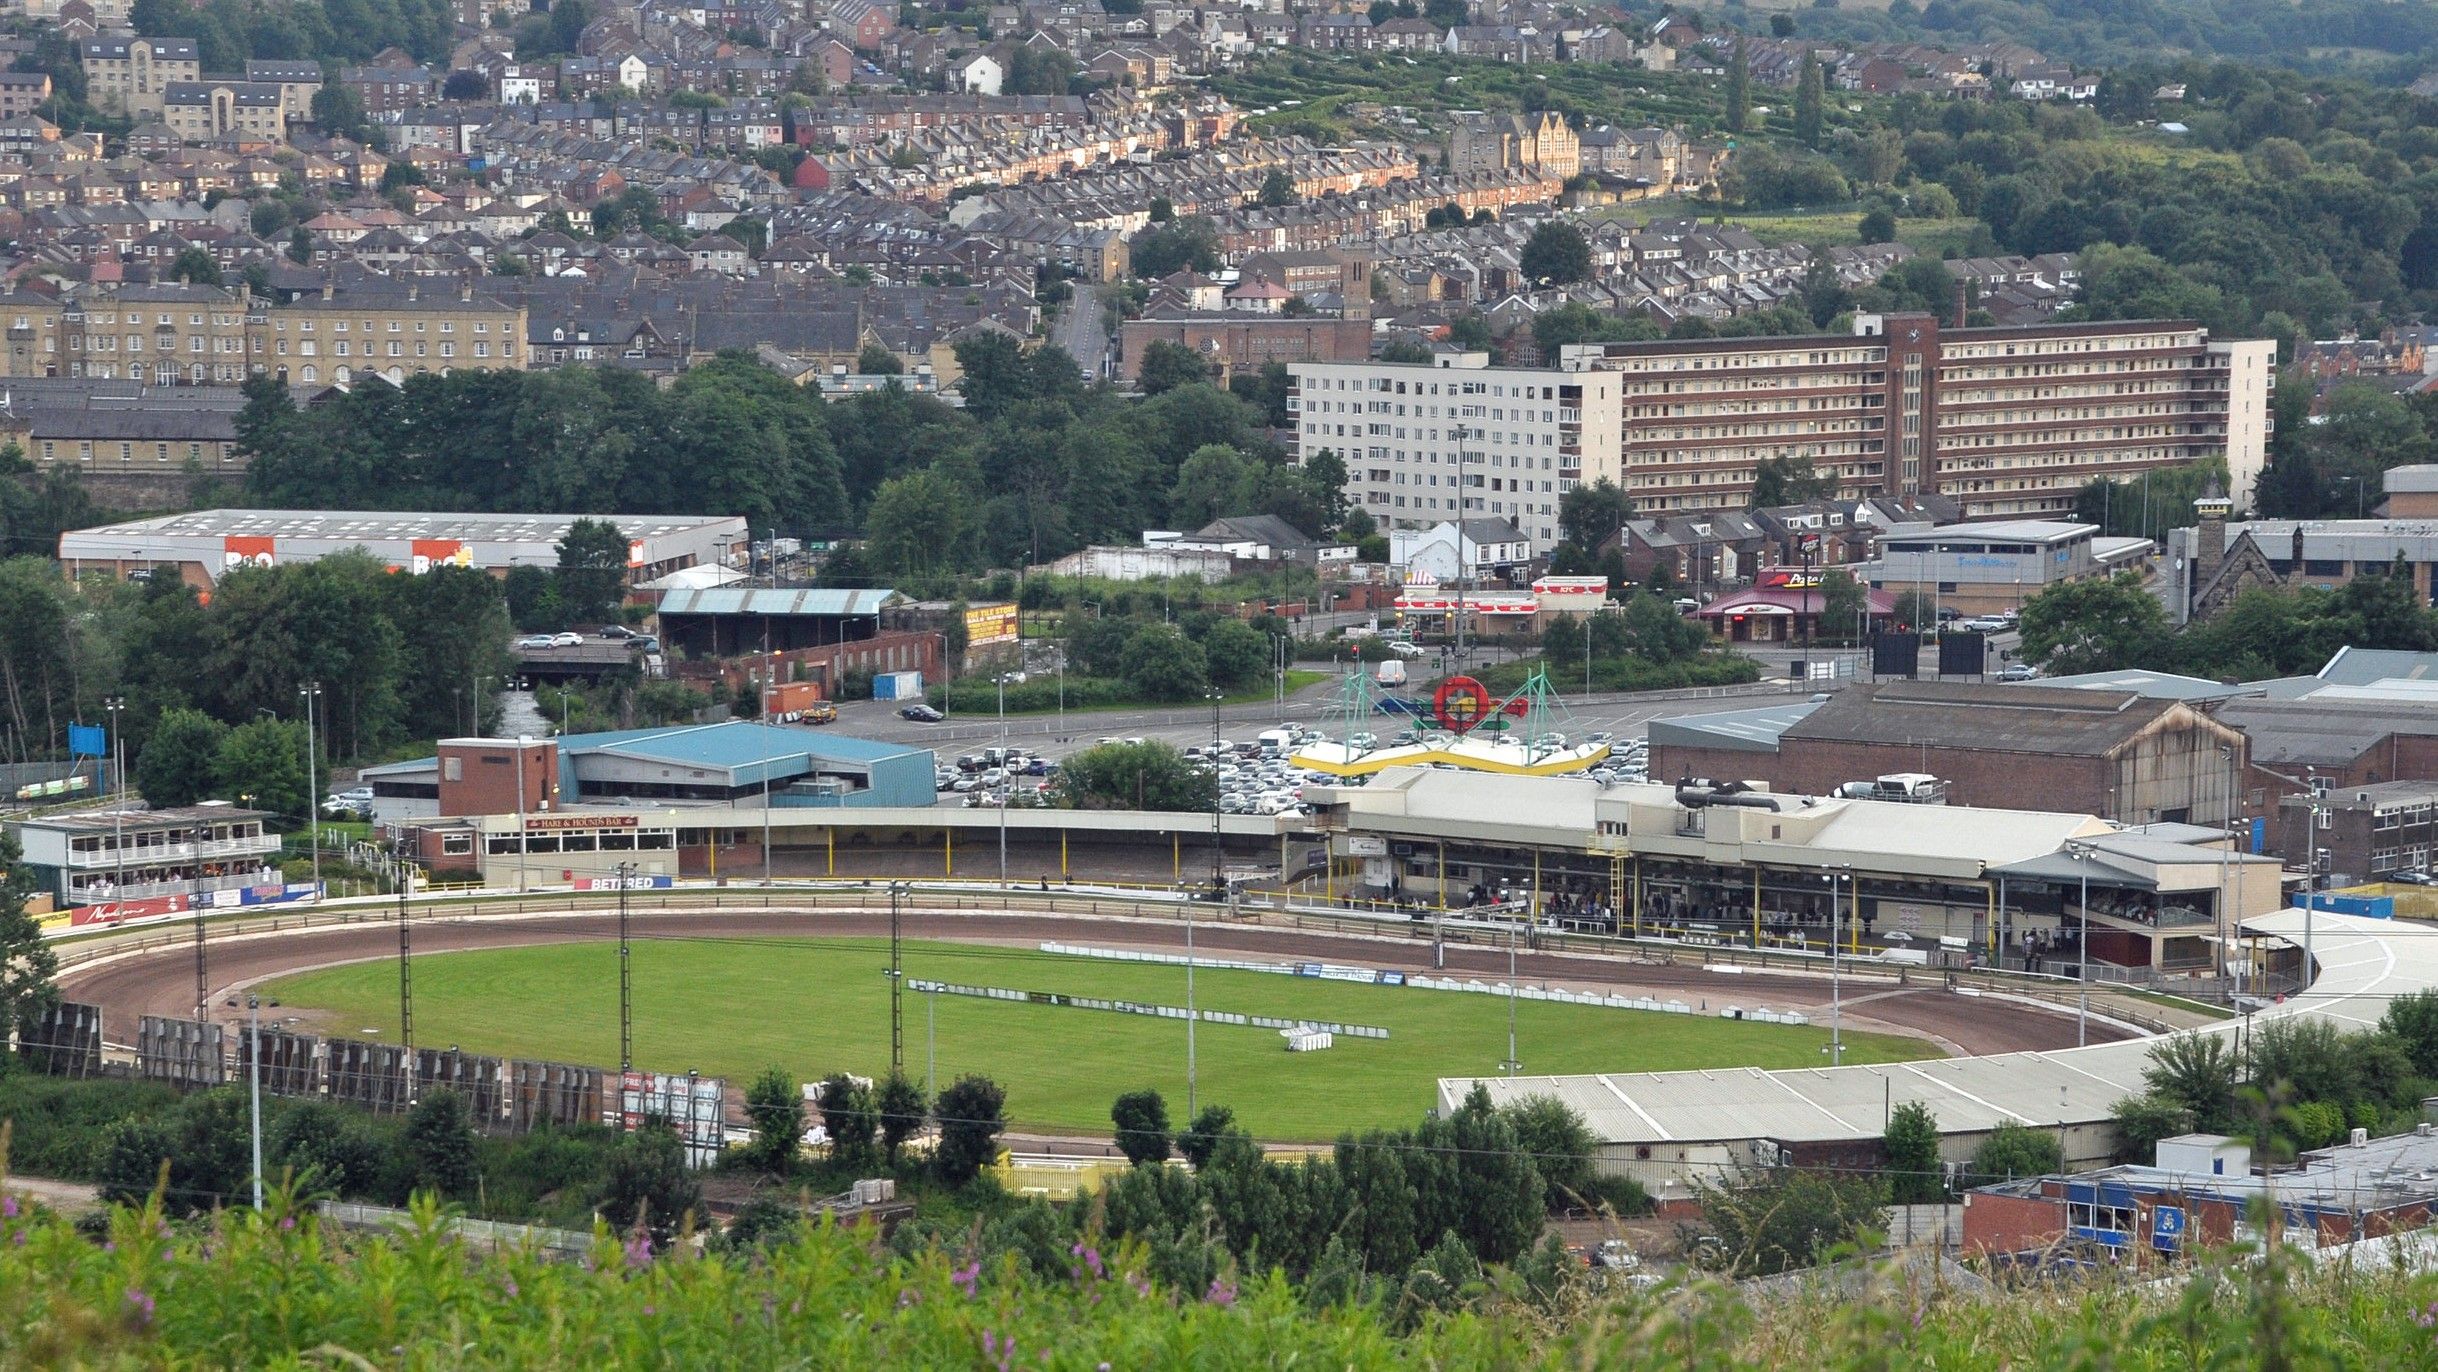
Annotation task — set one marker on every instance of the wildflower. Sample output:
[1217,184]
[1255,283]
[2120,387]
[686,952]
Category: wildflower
[639,1251]
[1091,1257]
[508,1284]
[909,1297]
[139,1306]
[286,1223]
[1222,1292]
[650,1310]
[8,1207]
[967,1277]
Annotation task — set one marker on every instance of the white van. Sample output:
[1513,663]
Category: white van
[1275,742]
[1391,672]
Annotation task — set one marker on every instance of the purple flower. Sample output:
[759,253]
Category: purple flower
[639,1251]
[1222,1292]
[139,1306]
[1091,1257]
[650,1310]
[508,1284]
[909,1297]
[967,1277]
[1001,1355]
[8,1207]
[110,1245]
[286,1223]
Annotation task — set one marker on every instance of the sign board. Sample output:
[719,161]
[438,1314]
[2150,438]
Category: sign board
[423,554]
[248,552]
[179,1052]
[536,823]
[629,883]
[694,1106]
[113,912]
[1571,586]
[63,1040]
[2167,1227]
[988,624]
[1792,578]
[1366,845]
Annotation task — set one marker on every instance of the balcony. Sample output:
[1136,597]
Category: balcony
[88,893]
[149,855]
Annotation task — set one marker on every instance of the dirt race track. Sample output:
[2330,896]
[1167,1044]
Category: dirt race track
[161,980]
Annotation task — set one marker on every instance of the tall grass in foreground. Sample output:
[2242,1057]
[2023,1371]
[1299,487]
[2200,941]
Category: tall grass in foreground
[281,1290]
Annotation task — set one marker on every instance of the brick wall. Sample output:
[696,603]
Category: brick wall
[485,777]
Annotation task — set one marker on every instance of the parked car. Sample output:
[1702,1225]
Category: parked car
[821,712]
[921,714]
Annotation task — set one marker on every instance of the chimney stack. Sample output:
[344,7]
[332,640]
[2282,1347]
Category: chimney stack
[1963,302]
[2209,541]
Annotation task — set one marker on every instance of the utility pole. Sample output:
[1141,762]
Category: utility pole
[312,692]
[1007,782]
[1512,1064]
[769,692]
[626,977]
[1836,984]
[203,984]
[897,982]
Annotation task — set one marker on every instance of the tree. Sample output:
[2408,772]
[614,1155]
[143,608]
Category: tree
[876,360]
[2014,1150]
[324,1149]
[1238,654]
[592,571]
[27,962]
[440,1145]
[973,1113]
[1202,1133]
[181,758]
[1780,481]
[1167,366]
[1590,516]
[1786,1217]
[1446,14]
[2141,1121]
[1132,776]
[1844,606]
[1277,189]
[1912,1141]
[2413,1020]
[1160,663]
[1187,244]
[774,1107]
[2096,625]
[922,522]
[1557,253]
[902,1106]
[847,1113]
[2195,1073]
[338,111]
[647,1186]
[300,243]
[197,266]
[1561,1146]
[262,764]
[1876,226]
[1141,1118]
[464,85]
[1810,102]
[1739,88]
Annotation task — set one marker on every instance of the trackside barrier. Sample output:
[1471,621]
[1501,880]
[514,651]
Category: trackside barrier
[80,947]
[1129,1007]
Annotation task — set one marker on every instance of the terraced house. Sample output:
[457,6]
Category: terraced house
[172,334]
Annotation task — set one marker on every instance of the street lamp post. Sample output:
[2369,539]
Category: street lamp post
[1836,983]
[1513,1064]
[2082,946]
[1007,779]
[523,742]
[312,692]
[897,982]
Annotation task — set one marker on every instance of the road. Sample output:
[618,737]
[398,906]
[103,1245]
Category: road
[1081,333]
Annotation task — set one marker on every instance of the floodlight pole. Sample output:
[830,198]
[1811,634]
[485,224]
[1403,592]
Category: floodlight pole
[312,691]
[253,1005]
[118,800]
[406,965]
[626,978]
[1511,1064]
[897,982]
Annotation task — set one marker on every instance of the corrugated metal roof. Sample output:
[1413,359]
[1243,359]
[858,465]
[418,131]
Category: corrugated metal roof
[2364,962]
[736,743]
[740,600]
[1754,731]
[2026,719]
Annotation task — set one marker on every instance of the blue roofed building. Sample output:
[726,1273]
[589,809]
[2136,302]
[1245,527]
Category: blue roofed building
[731,764]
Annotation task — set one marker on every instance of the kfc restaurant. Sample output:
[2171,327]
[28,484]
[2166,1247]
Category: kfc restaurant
[1424,604]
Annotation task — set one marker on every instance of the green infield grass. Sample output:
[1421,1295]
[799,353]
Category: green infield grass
[731,1007]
